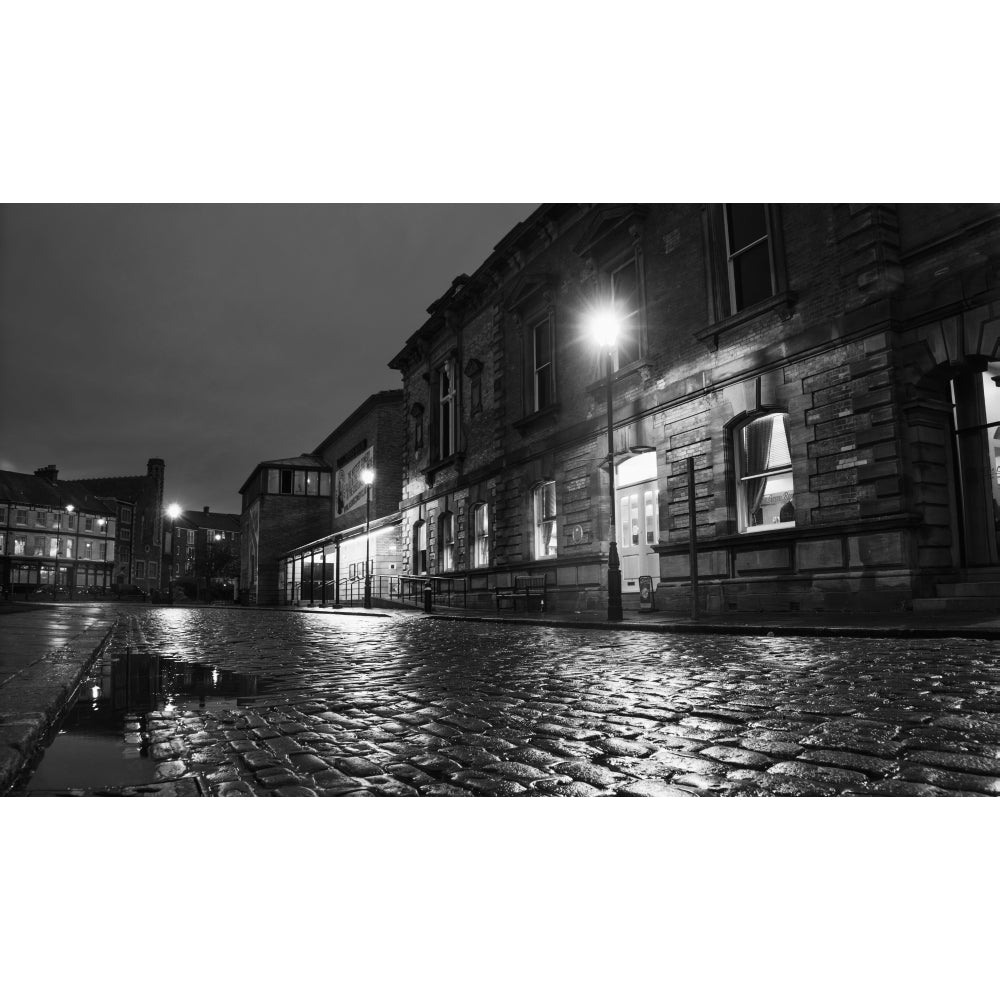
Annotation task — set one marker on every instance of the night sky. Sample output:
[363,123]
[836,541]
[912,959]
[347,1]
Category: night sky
[211,336]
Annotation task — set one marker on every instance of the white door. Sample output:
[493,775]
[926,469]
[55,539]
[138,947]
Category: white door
[638,532]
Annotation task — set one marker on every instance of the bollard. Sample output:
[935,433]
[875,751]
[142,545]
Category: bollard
[428,599]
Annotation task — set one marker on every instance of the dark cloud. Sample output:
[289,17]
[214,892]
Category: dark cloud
[211,336]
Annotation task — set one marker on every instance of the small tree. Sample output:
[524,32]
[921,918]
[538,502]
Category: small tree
[214,561]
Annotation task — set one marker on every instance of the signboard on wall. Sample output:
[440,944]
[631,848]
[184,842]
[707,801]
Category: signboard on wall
[350,489]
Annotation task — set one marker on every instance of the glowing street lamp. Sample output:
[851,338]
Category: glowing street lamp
[173,512]
[605,327]
[368,477]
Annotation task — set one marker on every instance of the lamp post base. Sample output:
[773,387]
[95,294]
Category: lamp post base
[614,585]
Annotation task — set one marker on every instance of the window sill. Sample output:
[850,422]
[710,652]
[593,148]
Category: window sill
[537,419]
[782,305]
[635,370]
[429,472]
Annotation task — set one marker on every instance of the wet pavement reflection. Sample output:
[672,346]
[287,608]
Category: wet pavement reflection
[404,705]
[104,741]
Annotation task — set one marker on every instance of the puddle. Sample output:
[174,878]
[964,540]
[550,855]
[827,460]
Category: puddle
[103,741]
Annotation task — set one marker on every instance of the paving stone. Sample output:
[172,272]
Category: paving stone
[264,733]
[307,763]
[592,774]
[653,788]
[534,756]
[276,778]
[358,767]
[442,789]
[334,779]
[717,783]
[773,748]
[169,769]
[234,788]
[435,764]
[961,782]
[624,748]
[516,771]
[735,755]
[685,763]
[258,759]
[873,767]
[956,762]
[836,776]
[470,756]
[985,729]
[284,745]
[568,732]
[578,789]
[893,786]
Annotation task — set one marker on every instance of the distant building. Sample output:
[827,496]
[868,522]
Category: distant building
[56,538]
[286,502]
[330,566]
[202,546]
[140,555]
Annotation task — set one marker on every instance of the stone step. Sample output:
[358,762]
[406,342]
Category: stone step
[939,605]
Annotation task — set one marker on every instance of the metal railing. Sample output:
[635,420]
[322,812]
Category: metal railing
[447,590]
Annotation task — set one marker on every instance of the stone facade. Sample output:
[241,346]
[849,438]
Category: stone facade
[847,326]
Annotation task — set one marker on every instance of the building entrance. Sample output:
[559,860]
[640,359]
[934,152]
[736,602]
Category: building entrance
[638,499]
[975,402]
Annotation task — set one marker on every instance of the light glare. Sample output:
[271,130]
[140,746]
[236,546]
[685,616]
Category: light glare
[605,327]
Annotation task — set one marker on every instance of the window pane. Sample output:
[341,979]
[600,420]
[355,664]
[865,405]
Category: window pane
[752,276]
[542,345]
[650,518]
[747,224]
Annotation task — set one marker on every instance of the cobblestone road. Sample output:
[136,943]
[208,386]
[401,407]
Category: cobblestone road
[404,705]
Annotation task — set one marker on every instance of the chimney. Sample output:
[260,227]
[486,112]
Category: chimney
[50,474]
[205,510]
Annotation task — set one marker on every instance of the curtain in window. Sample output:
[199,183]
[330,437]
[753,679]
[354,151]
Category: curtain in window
[757,445]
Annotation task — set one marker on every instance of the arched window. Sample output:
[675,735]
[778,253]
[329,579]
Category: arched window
[765,495]
[446,543]
[420,548]
[480,535]
[544,503]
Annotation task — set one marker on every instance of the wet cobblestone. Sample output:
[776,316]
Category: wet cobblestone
[403,705]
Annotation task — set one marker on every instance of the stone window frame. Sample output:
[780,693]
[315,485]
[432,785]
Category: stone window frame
[419,534]
[479,560]
[539,520]
[737,479]
[446,542]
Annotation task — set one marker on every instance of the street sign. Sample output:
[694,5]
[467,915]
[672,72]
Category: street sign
[646,593]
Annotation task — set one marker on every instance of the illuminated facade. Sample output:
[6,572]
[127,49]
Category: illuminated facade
[56,539]
[831,370]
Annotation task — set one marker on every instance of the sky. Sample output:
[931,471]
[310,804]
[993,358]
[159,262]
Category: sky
[211,336]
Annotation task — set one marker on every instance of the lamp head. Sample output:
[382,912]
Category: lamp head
[605,327]
[70,508]
[174,511]
[368,476]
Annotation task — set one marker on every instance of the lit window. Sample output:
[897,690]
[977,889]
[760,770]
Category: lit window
[20,544]
[545,520]
[481,535]
[420,547]
[751,278]
[765,493]
[446,543]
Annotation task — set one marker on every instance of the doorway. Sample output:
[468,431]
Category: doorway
[638,497]
[975,421]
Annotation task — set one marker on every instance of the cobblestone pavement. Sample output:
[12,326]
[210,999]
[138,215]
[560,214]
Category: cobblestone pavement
[403,705]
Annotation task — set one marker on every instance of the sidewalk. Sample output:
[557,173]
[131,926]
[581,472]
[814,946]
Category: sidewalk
[876,625]
[44,652]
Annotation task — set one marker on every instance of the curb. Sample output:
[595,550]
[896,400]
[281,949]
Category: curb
[697,628]
[38,702]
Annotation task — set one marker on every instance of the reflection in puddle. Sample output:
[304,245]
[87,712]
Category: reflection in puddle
[103,742]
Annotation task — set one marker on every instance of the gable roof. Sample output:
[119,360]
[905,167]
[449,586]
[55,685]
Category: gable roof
[34,491]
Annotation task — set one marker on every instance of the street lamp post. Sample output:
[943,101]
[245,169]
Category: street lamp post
[70,573]
[173,512]
[606,327]
[368,477]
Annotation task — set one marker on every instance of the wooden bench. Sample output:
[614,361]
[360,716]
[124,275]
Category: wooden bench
[530,590]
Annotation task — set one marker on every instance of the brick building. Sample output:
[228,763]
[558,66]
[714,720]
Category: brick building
[829,369]
[56,539]
[285,503]
[203,545]
[331,566]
